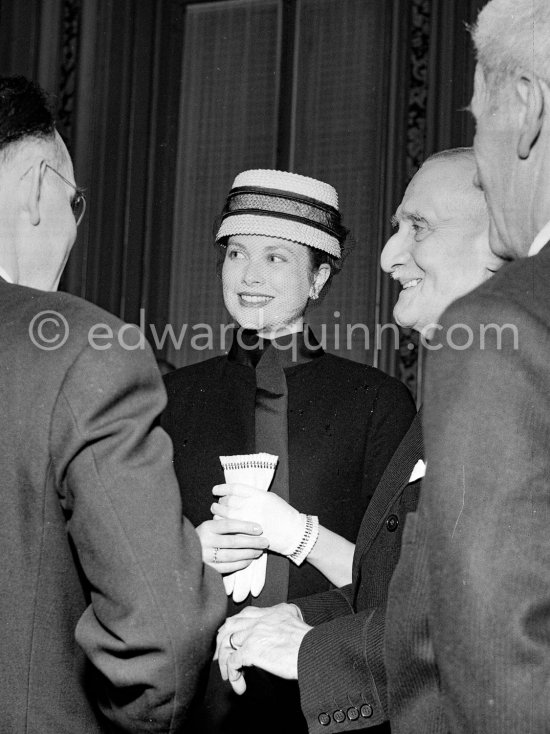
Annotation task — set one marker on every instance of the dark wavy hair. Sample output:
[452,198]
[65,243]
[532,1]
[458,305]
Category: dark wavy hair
[25,111]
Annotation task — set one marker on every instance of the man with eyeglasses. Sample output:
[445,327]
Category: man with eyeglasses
[78,200]
[107,615]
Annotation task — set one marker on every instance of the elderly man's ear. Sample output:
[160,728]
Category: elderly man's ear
[532,93]
[32,186]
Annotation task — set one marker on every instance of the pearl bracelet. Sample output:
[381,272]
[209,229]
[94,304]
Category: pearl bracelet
[309,538]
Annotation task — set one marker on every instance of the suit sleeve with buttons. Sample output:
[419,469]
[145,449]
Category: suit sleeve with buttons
[154,608]
[337,665]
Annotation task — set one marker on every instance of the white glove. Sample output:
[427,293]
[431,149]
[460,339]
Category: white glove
[256,470]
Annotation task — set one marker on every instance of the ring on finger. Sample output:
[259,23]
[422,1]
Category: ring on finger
[231,643]
[215,558]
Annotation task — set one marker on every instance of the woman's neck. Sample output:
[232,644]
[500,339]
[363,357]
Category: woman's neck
[293,328]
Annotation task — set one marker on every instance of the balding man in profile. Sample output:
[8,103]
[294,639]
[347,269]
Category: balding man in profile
[107,614]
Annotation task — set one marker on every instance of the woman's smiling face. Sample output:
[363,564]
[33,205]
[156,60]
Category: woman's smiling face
[267,282]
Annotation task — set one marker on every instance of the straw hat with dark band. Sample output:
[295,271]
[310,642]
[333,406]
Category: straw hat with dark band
[286,205]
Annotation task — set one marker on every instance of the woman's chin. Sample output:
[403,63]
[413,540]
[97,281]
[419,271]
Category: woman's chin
[250,324]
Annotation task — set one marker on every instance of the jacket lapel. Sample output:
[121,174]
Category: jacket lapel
[395,477]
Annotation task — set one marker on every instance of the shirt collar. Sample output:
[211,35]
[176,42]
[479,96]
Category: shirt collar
[540,240]
[293,349]
[4,275]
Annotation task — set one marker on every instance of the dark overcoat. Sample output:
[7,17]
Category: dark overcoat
[485,506]
[107,616]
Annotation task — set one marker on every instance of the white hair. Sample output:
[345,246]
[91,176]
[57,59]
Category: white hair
[511,36]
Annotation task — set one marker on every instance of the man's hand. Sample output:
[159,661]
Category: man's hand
[266,638]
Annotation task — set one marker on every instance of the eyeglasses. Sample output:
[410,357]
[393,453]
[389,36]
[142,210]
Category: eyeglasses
[78,203]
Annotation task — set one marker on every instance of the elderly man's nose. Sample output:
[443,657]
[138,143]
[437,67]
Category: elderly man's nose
[394,253]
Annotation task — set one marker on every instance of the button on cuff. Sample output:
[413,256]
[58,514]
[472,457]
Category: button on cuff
[366,711]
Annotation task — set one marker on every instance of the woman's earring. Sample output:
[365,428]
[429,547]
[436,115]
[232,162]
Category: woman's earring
[314,296]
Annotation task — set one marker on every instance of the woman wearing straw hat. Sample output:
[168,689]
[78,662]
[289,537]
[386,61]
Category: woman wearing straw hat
[333,424]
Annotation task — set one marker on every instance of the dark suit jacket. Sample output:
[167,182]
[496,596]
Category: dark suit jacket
[414,697]
[106,612]
[341,664]
[487,501]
